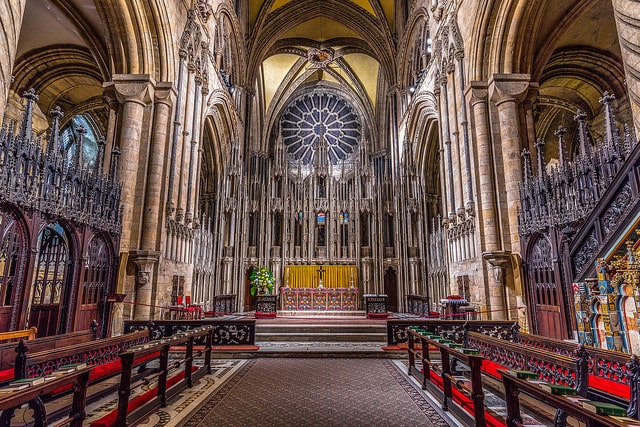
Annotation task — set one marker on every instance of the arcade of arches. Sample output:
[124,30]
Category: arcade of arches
[422,147]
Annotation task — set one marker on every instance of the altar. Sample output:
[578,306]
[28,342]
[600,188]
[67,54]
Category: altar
[319,299]
[320,288]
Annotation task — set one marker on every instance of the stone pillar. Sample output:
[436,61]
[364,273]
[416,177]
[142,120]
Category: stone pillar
[153,200]
[145,261]
[507,91]
[11,12]
[627,16]
[447,144]
[484,155]
[111,100]
[134,92]
[527,105]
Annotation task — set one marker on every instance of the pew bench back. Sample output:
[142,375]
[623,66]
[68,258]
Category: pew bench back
[550,366]
[97,352]
[8,350]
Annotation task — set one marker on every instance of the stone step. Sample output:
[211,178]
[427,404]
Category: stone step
[321,336]
[321,328]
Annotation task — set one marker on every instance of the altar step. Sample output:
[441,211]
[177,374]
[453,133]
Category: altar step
[322,332]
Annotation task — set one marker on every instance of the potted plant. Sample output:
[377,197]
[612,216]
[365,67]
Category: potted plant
[262,281]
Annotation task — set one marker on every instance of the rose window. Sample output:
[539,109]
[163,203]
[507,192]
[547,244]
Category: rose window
[317,116]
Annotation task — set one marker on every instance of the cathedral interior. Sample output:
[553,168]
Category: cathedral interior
[155,154]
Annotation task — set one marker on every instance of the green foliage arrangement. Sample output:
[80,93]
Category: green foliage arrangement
[262,281]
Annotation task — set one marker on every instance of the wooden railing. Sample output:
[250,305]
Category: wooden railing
[512,387]
[443,368]
[160,350]
[550,366]
[397,332]
[225,332]
[8,353]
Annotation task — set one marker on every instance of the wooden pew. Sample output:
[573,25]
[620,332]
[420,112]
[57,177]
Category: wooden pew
[397,329]
[100,352]
[32,396]
[513,385]
[131,411]
[443,368]
[550,366]
[8,350]
[610,372]
[27,334]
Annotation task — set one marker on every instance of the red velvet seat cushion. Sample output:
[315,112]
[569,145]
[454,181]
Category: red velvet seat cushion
[106,369]
[609,386]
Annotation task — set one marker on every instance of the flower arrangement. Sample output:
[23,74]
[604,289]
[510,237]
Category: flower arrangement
[262,281]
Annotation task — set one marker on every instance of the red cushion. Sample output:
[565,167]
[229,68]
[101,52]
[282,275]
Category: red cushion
[105,370]
[491,368]
[609,386]
[6,375]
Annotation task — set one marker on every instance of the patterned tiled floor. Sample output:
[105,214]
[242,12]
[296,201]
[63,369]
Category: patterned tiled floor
[318,392]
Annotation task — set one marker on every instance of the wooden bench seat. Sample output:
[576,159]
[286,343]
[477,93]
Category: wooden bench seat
[33,397]
[596,374]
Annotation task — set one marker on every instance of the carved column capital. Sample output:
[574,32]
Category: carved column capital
[477,92]
[138,88]
[509,87]
[163,93]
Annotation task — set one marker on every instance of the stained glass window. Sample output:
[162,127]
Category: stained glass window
[320,115]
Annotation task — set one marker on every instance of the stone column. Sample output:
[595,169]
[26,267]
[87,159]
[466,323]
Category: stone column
[486,188]
[145,261]
[527,105]
[507,91]
[153,201]
[134,92]
[627,16]
[11,12]
[112,102]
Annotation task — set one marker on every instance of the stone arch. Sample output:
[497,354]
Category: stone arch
[138,38]
[417,28]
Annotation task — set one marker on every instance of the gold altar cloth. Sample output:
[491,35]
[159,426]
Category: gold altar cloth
[308,276]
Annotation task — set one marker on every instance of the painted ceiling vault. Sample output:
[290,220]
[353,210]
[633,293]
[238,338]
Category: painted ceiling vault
[339,42]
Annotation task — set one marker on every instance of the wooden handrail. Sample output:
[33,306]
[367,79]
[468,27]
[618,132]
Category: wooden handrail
[551,367]
[513,385]
[28,334]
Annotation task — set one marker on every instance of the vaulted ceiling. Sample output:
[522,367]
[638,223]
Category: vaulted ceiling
[346,44]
